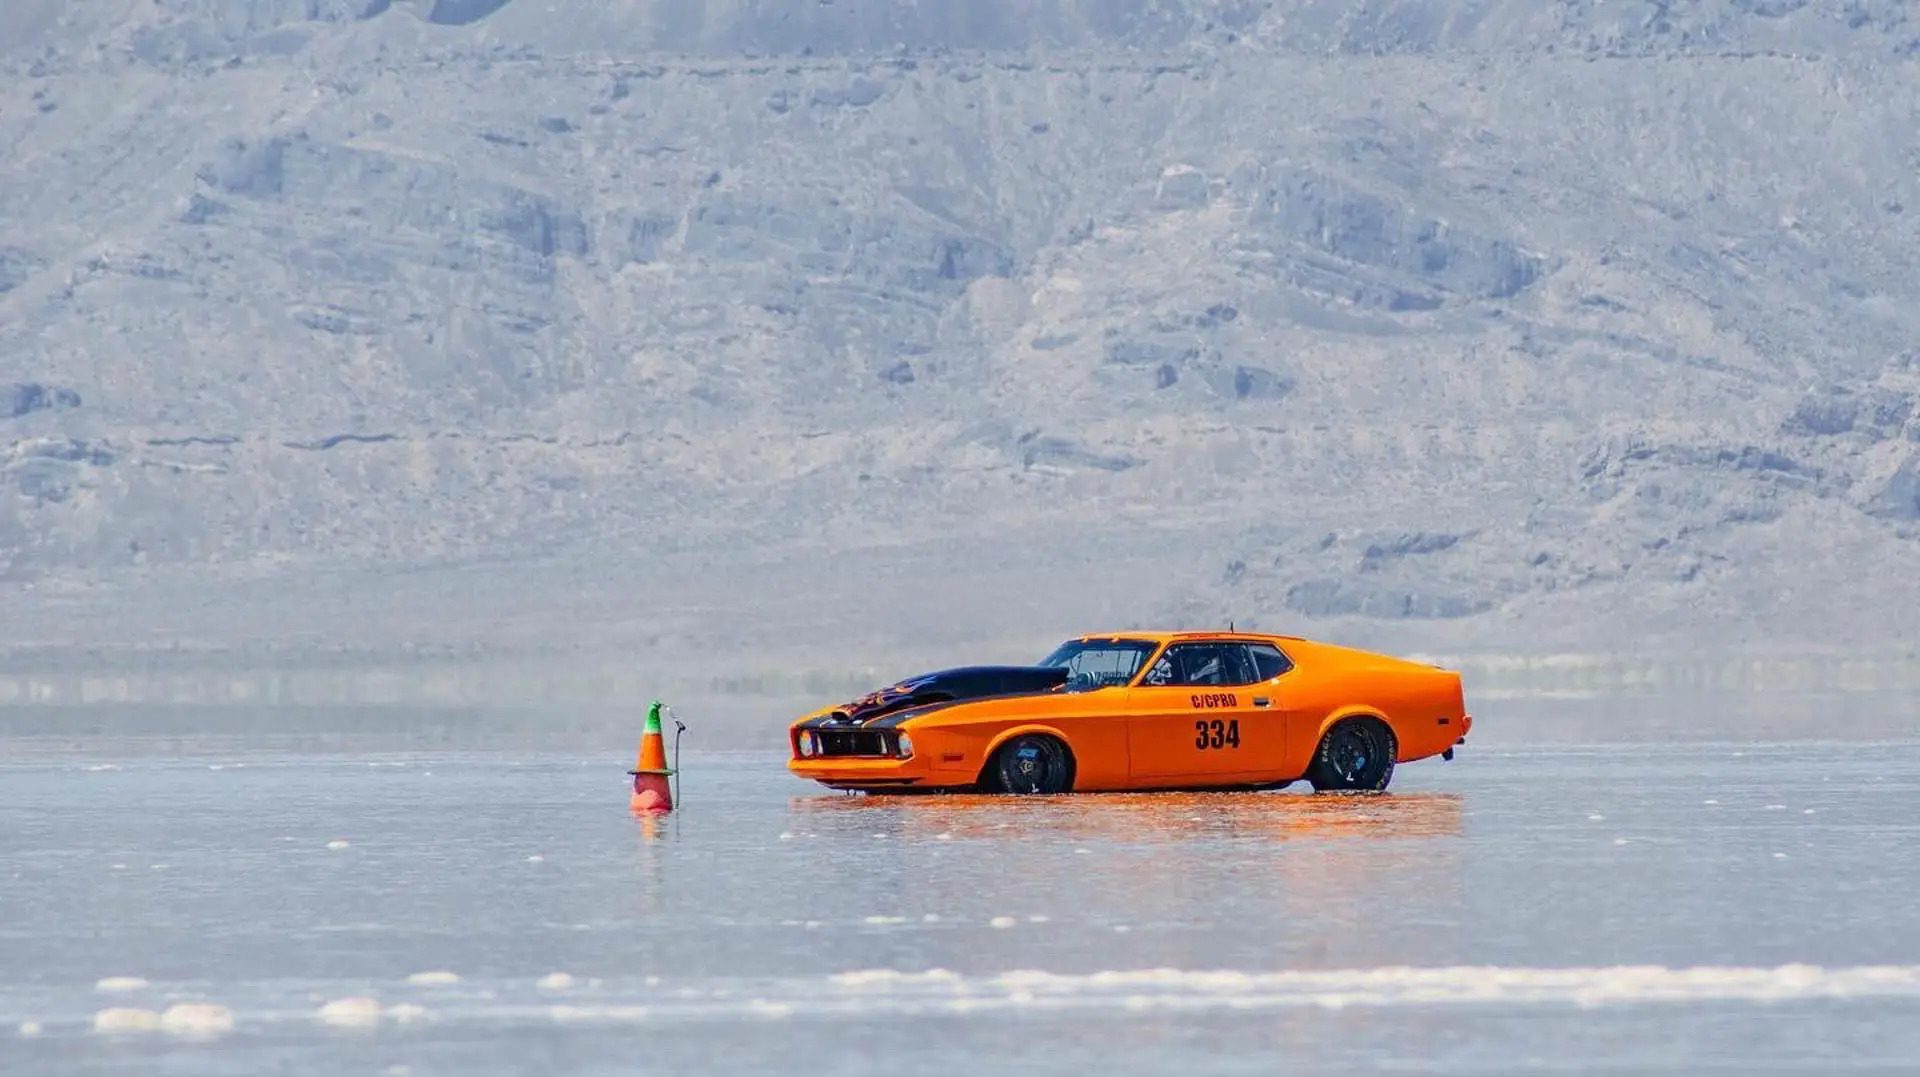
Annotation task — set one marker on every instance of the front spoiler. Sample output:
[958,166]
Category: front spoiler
[874,785]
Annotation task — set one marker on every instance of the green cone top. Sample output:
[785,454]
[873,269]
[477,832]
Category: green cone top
[653,717]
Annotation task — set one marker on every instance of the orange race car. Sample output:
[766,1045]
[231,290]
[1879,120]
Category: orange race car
[1143,710]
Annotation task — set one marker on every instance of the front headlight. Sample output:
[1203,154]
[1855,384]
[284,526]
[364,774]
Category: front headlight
[905,748]
[807,743]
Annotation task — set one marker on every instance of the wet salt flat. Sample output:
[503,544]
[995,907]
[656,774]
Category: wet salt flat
[1629,908]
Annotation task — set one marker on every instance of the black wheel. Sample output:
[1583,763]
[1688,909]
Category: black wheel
[1030,764]
[1356,754]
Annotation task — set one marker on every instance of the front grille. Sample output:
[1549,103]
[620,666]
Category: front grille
[872,742]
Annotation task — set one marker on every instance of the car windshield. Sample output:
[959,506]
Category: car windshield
[1099,663]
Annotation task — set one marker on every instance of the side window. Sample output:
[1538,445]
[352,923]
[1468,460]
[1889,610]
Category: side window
[1218,664]
[1268,662]
[1102,667]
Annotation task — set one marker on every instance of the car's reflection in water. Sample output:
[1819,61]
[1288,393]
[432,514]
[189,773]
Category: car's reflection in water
[1188,880]
[1149,816]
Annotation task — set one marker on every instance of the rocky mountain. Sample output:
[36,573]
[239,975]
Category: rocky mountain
[683,326]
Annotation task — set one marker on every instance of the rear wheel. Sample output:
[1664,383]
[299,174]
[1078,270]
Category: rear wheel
[1356,754]
[1030,764]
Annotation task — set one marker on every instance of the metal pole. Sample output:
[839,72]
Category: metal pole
[679,727]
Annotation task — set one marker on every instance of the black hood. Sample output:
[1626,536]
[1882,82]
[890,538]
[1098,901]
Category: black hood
[946,686]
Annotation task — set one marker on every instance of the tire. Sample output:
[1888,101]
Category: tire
[1030,764]
[1356,755]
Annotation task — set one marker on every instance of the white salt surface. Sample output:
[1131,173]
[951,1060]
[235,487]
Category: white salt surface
[197,1019]
[354,1012]
[124,1019]
[1391,986]
[434,978]
[1609,961]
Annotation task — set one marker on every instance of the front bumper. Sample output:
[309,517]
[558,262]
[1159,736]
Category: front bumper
[870,772]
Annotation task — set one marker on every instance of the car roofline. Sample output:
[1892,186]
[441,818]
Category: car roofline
[1193,634]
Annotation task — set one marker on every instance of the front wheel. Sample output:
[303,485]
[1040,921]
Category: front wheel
[1031,764]
[1356,754]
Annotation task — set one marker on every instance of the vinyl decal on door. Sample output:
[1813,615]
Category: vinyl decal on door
[1216,734]
[1211,700]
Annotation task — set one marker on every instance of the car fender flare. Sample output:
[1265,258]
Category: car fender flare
[1027,729]
[1356,710]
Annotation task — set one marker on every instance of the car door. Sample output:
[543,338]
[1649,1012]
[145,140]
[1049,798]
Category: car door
[1201,714]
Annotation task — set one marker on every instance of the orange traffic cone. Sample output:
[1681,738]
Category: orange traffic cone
[651,790]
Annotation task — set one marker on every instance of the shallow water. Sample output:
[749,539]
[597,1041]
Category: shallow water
[1628,908]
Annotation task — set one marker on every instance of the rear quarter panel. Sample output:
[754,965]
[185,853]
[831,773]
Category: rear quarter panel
[1422,704]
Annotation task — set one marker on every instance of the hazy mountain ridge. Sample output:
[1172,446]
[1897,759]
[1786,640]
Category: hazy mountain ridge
[1470,313]
[783,27]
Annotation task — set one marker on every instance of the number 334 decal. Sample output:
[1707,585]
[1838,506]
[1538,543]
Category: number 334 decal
[1215,734]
